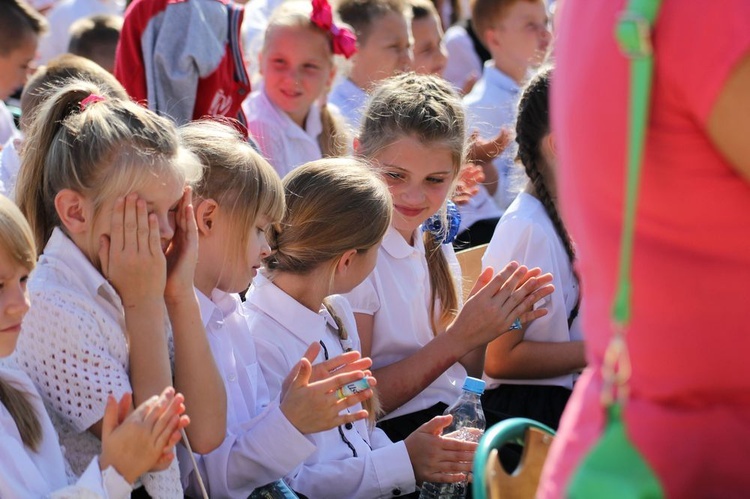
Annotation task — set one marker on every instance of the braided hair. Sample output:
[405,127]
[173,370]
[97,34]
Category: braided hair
[532,125]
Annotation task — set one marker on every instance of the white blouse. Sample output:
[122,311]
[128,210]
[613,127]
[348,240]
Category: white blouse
[74,347]
[397,295]
[526,234]
[351,101]
[353,460]
[282,141]
[35,474]
[261,445]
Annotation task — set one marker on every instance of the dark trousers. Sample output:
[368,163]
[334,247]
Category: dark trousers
[543,403]
[479,233]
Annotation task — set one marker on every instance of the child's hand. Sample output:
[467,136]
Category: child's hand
[131,256]
[134,442]
[467,184]
[438,459]
[314,406]
[483,151]
[182,254]
[496,302]
[344,363]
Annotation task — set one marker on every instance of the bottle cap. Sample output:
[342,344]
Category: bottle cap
[474,385]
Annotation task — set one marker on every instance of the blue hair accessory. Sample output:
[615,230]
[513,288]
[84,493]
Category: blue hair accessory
[434,224]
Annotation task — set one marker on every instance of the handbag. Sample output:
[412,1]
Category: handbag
[613,467]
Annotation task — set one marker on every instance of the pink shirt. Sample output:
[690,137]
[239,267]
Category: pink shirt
[688,340]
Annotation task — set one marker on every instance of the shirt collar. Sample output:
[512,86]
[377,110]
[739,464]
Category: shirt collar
[498,79]
[307,325]
[396,246]
[220,305]
[62,249]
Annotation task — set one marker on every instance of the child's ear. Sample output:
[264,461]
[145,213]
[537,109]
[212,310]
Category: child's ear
[260,63]
[75,211]
[346,261]
[491,38]
[205,215]
[355,145]
[331,77]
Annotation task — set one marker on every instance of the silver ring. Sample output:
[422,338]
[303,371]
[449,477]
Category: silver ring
[516,325]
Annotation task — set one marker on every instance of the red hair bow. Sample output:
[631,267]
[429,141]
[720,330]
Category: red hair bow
[344,41]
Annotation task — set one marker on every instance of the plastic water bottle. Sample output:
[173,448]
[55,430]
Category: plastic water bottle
[468,424]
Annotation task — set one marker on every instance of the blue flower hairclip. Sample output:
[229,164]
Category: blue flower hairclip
[434,224]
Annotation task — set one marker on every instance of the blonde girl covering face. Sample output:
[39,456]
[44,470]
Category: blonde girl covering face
[414,131]
[33,464]
[103,187]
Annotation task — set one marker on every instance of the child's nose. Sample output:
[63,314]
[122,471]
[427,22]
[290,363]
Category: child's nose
[18,300]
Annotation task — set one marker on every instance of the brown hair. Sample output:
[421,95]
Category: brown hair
[333,205]
[424,107]
[58,71]
[17,19]
[17,243]
[241,182]
[102,150]
[96,37]
[333,140]
[361,14]
[422,9]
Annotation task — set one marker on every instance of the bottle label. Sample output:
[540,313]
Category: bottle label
[351,388]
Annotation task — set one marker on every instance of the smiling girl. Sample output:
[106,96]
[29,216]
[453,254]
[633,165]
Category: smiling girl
[408,311]
[285,116]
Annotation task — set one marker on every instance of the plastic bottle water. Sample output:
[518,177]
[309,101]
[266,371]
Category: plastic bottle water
[468,424]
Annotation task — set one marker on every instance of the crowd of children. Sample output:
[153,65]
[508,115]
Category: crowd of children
[231,258]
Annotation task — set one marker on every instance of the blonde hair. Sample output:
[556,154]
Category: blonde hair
[101,150]
[17,243]
[425,108]
[333,140]
[485,14]
[241,182]
[333,205]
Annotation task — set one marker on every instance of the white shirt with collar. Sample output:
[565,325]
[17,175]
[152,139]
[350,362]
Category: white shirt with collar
[351,101]
[351,460]
[282,141]
[491,105]
[27,473]
[397,295]
[261,445]
[526,234]
[74,347]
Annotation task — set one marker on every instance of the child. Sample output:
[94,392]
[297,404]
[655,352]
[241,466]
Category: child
[296,62]
[238,197]
[43,82]
[184,58]
[382,29]
[537,363]
[20,28]
[516,34]
[295,302]
[408,312]
[95,38]
[103,187]
[466,54]
[429,50]
[64,14]
[33,464]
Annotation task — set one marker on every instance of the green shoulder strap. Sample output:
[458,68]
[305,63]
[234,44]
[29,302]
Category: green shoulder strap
[614,468]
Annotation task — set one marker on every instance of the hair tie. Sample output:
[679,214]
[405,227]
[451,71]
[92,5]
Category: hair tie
[344,41]
[434,224]
[91,99]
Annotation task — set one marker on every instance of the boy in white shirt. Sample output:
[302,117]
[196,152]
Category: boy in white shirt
[516,34]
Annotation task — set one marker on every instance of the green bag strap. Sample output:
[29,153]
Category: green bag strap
[614,467]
